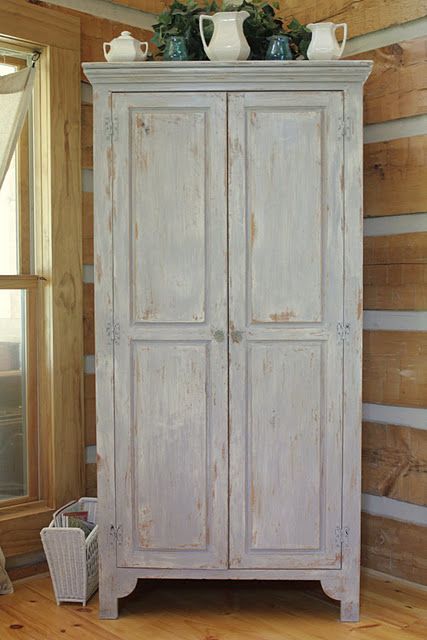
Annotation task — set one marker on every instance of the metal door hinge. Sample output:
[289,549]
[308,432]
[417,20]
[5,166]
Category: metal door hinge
[345,127]
[116,533]
[343,331]
[342,536]
[113,332]
[111,126]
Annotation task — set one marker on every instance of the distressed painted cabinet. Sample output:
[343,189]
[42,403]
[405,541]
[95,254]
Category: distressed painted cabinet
[228,244]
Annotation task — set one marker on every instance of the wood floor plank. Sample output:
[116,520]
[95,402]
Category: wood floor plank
[185,610]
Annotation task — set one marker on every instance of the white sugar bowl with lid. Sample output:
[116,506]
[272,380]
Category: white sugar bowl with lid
[125,48]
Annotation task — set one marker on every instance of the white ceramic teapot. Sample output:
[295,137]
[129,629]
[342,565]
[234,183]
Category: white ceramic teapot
[324,44]
[125,48]
[228,42]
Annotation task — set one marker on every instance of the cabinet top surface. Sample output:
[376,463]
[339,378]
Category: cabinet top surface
[231,76]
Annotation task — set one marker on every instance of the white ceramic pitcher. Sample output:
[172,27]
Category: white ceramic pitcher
[228,42]
[125,48]
[324,44]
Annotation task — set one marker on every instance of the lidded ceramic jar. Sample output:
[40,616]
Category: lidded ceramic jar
[125,48]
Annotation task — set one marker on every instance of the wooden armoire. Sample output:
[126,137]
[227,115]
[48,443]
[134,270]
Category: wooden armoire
[228,305]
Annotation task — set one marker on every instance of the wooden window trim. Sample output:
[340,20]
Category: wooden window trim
[58,262]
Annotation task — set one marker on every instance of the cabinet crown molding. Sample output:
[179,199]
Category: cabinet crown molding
[223,76]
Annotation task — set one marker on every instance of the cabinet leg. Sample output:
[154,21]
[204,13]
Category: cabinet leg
[108,604]
[350,610]
[347,592]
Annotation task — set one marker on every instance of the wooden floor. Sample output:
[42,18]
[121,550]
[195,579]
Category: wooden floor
[391,610]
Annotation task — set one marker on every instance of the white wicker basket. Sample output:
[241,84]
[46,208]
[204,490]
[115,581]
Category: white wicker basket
[72,558]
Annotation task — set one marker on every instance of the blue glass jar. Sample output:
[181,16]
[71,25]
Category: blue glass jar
[278,48]
[175,49]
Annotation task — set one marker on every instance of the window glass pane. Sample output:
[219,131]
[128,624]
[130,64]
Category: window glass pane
[9,243]
[13,432]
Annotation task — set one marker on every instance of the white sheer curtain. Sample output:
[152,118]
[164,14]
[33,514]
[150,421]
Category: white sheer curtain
[15,95]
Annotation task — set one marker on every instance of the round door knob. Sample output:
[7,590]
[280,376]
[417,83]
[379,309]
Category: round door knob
[219,335]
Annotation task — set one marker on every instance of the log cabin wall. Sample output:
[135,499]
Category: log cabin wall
[394,478]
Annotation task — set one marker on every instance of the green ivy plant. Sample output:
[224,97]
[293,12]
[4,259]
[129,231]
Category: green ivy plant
[181,18]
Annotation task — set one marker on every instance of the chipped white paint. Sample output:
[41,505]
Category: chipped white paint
[110,11]
[89,364]
[394,129]
[389,508]
[162,428]
[88,273]
[406,416]
[87,180]
[395,320]
[394,225]
[90,454]
[386,37]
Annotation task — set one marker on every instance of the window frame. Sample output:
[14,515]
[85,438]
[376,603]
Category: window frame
[58,263]
[28,282]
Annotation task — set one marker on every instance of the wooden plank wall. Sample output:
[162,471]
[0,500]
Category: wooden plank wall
[394,477]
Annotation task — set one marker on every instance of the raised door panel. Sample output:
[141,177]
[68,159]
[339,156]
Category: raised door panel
[170,304]
[288,243]
[286,300]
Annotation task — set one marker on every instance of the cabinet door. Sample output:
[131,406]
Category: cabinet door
[286,300]
[170,306]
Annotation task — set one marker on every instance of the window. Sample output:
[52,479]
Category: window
[18,316]
[54,248]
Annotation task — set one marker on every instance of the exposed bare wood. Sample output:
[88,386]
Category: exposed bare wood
[394,462]
[88,228]
[24,21]
[19,535]
[404,248]
[90,412]
[395,547]
[395,176]
[88,319]
[150,6]
[19,282]
[64,272]
[397,87]
[90,489]
[395,367]
[87,136]
[395,286]
[27,571]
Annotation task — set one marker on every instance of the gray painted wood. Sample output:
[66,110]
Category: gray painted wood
[171,386]
[286,286]
[162,389]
